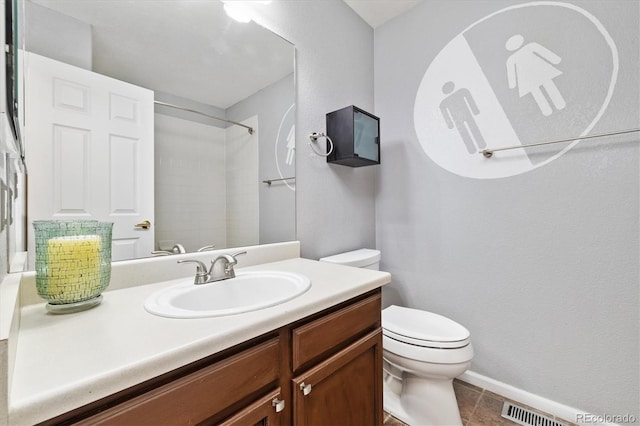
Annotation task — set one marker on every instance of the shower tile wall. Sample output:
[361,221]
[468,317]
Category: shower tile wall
[190,194]
[243,212]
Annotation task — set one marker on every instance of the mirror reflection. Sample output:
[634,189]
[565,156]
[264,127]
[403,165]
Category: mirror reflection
[118,113]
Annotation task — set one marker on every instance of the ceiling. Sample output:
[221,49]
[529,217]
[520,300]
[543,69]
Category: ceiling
[190,49]
[152,46]
[377,12]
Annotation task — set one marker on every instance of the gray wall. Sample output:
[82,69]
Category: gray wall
[335,207]
[542,266]
[275,118]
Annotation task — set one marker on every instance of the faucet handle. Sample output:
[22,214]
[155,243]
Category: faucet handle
[231,261]
[178,249]
[202,275]
[234,255]
[206,248]
[228,261]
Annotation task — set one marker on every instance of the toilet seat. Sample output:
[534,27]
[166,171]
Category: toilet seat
[426,343]
[422,328]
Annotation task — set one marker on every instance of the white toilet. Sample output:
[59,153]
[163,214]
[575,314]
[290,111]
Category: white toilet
[423,352]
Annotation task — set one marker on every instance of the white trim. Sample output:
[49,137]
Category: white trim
[563,412]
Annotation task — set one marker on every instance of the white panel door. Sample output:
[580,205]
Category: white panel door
[89,152]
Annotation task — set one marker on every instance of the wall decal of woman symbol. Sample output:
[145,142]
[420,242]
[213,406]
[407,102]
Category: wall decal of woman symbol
[531,70]
[490,86]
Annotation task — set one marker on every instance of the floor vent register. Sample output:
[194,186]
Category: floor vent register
[526,417]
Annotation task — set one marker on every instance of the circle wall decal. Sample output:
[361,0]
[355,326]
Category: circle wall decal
[527,73]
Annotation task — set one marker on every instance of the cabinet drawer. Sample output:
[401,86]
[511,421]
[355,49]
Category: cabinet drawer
[198,396]
[334,331]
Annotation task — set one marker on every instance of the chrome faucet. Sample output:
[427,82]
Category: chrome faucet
[176,249]
[221,268]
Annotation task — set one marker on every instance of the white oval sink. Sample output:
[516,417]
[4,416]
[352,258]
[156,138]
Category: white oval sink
[248,291]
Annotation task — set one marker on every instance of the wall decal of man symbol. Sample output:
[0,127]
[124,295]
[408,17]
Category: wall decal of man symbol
[531,69]
[285,147]
[291,145]
[458,109]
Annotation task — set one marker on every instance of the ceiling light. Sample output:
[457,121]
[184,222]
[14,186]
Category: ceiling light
[238,11]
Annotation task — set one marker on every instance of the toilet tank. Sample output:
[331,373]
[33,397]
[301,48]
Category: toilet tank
[362,258]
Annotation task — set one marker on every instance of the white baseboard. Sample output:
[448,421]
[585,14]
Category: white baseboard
[548,406]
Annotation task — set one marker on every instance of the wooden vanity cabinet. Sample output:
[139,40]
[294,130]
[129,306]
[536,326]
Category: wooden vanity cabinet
[322,370]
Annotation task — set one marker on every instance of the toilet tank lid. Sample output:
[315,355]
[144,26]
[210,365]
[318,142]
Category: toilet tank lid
[422,325]
[357,258]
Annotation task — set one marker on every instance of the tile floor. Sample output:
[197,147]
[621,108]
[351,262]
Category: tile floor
[478,407]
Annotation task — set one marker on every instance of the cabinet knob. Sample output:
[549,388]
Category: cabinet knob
[306,389]
[278,404]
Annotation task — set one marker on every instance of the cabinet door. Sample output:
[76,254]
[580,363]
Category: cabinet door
[264,412]
[345,389]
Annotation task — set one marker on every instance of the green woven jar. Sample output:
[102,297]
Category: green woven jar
[73,263]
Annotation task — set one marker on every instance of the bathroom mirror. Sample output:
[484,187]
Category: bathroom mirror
[215,183]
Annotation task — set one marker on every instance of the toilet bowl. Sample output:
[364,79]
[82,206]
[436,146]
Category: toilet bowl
[422,353]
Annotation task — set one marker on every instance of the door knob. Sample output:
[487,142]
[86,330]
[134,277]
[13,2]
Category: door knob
[145,224]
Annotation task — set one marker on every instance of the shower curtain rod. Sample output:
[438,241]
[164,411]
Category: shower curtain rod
[489,152]
[249,129]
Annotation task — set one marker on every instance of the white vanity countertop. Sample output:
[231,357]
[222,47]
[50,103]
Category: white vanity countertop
[66,361]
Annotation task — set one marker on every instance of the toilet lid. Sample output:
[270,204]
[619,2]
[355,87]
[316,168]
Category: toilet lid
[358,258]
[423,328]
